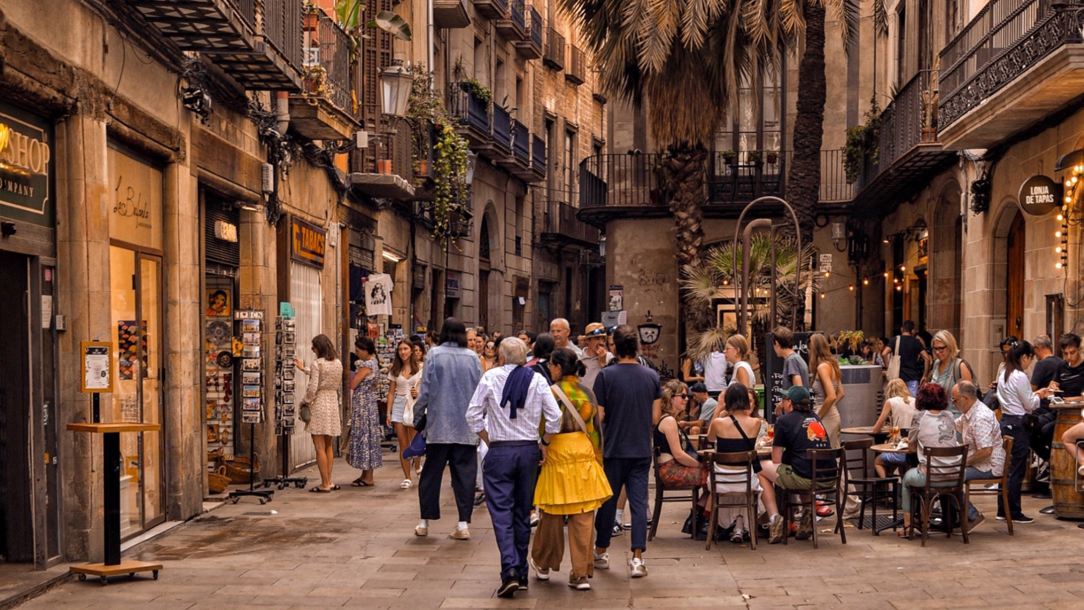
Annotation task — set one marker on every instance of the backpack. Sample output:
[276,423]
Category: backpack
[957,367]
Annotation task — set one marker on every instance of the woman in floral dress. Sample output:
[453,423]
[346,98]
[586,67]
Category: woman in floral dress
[365,430]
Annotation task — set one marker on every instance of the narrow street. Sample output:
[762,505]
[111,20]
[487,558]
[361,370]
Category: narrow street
[355,548]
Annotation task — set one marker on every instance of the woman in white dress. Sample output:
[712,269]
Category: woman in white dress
[322,396]
[405,377]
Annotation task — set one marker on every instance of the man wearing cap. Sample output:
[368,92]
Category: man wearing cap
[706,402]
[595,355]
[796,431]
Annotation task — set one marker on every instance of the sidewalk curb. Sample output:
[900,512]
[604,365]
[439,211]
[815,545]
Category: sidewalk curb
[19,598]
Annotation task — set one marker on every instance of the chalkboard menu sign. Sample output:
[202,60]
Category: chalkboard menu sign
[773,372]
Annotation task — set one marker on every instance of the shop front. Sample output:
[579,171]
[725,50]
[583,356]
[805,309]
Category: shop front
[137,328]
[29,461]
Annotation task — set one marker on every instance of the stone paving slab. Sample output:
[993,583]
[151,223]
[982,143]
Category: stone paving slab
[355,549]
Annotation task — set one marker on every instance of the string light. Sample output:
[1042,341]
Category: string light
[1061,235]
[851,288]
[865,282]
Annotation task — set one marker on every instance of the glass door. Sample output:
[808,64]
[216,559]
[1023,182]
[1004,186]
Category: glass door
[137,394]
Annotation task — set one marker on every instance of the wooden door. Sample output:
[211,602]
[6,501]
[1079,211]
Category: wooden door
[1014,289]
[483,300]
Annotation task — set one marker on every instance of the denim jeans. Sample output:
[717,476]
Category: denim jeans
[971,474]
[912,387]
[632,474]
[914,478]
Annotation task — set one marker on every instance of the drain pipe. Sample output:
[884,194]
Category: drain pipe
[429,40]
[282,111]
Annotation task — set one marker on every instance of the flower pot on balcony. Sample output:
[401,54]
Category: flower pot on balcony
[311,21]
[383,166]
[929,134]
[421,168]
[773,158]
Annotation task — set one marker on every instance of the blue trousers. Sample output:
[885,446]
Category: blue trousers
[972,474]
[630,473]
[508,477]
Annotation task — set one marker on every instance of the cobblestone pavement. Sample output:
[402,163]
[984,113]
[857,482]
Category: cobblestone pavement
[356,548]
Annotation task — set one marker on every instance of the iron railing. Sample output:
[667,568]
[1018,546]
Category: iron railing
[559,218]
[517,14]
[554,54]
[577,69]
[745,175]
[387,153]
[283,28]
[622,180]
[329,50]
[538,155]
[247,10]
[534,27]
[502,127]
[468,108]
[901,126]
[1004,40]
[834,187]
[521,143]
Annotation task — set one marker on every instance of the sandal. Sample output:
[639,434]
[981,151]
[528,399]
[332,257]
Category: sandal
[405,484]
[359,483]
[319,490]
[335,488]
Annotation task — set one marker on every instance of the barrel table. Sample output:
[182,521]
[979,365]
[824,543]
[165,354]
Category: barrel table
[1068,497]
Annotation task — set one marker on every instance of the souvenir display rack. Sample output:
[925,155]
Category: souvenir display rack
[285,392]
[252,403]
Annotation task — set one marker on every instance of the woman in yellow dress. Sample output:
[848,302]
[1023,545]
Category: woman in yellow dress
[572,483]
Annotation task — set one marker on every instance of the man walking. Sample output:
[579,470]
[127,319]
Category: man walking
[914,361]
[629,401]
[561,330]
[505,412]
[795,369]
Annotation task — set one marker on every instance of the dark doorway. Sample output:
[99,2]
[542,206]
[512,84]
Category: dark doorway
[483,300]
[436,289]
[1014,287]
[16,527]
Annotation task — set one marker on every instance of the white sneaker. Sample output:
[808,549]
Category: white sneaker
[539,573]
[405,484]
[421,531]
[637,569]
[1080,470]
[602,562]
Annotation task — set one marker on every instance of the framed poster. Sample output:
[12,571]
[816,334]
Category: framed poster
[97,366]
[218,303]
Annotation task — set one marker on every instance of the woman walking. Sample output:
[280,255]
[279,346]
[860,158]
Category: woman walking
[365,430]
[827,385]
[405,377]
[572,484]
[322,396]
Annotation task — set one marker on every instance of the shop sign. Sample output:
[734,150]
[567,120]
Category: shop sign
[226,231]
[308,243]
[1040,195]
[136,205]
[25,167]
[451,285]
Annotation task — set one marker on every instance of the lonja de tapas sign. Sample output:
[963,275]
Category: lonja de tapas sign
[307,242]
[1040,195]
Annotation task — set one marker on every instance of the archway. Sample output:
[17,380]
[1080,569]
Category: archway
[945,262]
[1008,270]
[489,260]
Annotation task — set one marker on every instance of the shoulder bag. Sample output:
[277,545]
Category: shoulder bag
[894,362]
[957,367]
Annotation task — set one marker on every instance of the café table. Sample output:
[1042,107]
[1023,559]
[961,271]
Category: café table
[911,448]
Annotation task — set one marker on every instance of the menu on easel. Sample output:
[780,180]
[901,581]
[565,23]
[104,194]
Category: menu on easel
[285,341]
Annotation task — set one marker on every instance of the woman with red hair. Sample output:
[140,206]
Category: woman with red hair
[933,426]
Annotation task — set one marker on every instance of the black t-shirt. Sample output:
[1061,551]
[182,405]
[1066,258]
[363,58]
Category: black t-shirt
[1045,371]
[796,432]
[626,393]
[1071,378]
[910,357]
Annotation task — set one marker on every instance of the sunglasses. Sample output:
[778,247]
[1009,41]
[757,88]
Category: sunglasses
[939,348]
[598,332]
[681,395]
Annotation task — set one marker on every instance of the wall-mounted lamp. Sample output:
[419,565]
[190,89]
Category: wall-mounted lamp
[602,245]
[839,236]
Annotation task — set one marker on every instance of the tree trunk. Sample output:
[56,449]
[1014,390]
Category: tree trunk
[803,189]
[686,176]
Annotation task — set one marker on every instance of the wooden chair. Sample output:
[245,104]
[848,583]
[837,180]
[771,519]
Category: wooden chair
[825,481]
[949,481]
[661,497]
[865,486]
[739,467]
[1002,482]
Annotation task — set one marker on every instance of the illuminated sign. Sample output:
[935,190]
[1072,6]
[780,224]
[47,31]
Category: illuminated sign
[308,243]
[226,231]
[25,167]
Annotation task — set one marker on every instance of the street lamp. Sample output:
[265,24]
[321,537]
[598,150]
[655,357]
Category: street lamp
[602,245]
[396,82]
[472,160]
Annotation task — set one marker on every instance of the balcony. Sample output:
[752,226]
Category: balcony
[530,47]
[259,53]
[502,129]
[1014,64]
[472,114]
[513,24]
[908,153]
[554,55]
[630,186]
[560,224]
[324,110]
[577,70]
[450,14]
[384,170]
[519,162]
[538,157]
[493,9]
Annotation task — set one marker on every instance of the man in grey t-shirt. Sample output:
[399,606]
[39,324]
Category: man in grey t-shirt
[795,369]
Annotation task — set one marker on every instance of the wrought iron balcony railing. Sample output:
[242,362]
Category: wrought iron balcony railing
[559,222]
[327,63]
[502,128]
[521,143]
[577,69]
[282,28]
[1002,42]
[530,47]
[901,126]
[471,111]
[554,55]
[745,175]
[538,156]
[513,24]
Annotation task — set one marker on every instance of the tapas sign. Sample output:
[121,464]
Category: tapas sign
[308,243]
[1040,195]
[97,366]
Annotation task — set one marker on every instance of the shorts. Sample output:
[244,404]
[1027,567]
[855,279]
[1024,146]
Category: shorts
[397,409]
[787,479]
[894,459]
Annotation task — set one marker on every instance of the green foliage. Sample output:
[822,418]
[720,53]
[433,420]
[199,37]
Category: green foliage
[479,90]
[863,141]
[348,13]
[392,24]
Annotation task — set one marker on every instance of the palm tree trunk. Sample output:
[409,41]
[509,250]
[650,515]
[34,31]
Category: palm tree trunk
[803,189]
[686,172]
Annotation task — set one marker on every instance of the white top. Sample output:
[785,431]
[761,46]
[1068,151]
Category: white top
[749,371]
[486,403]
[903,411]
[1015,395]
[403,384]
[715,366]
[590,363]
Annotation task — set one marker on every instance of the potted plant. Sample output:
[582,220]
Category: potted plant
[729,157]
[773,157]
[755,158]
[383,166]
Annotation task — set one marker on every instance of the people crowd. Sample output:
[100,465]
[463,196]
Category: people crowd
[552,431]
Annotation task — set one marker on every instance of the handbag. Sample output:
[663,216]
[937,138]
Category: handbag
[416,448]
[957,367]
[408,410]
[894,362]
[304,412]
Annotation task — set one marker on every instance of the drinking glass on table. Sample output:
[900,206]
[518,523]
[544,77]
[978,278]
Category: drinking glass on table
[895,432]
[771,432]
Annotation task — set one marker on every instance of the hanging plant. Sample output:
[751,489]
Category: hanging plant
[863,142]
[479,91]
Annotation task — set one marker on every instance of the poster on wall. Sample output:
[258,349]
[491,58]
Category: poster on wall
[218,303]
[129,345]
[617,298]
[97,365]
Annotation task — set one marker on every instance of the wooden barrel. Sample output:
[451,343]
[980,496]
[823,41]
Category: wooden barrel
[1068,502]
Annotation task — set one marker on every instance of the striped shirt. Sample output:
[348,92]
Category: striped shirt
[485,411]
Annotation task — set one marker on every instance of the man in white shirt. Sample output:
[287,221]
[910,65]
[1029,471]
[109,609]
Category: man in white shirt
[595,356]
[561,330]
[505,412]
[715,373]
[980,431]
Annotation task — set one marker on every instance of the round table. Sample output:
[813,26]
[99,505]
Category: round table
[892,448]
